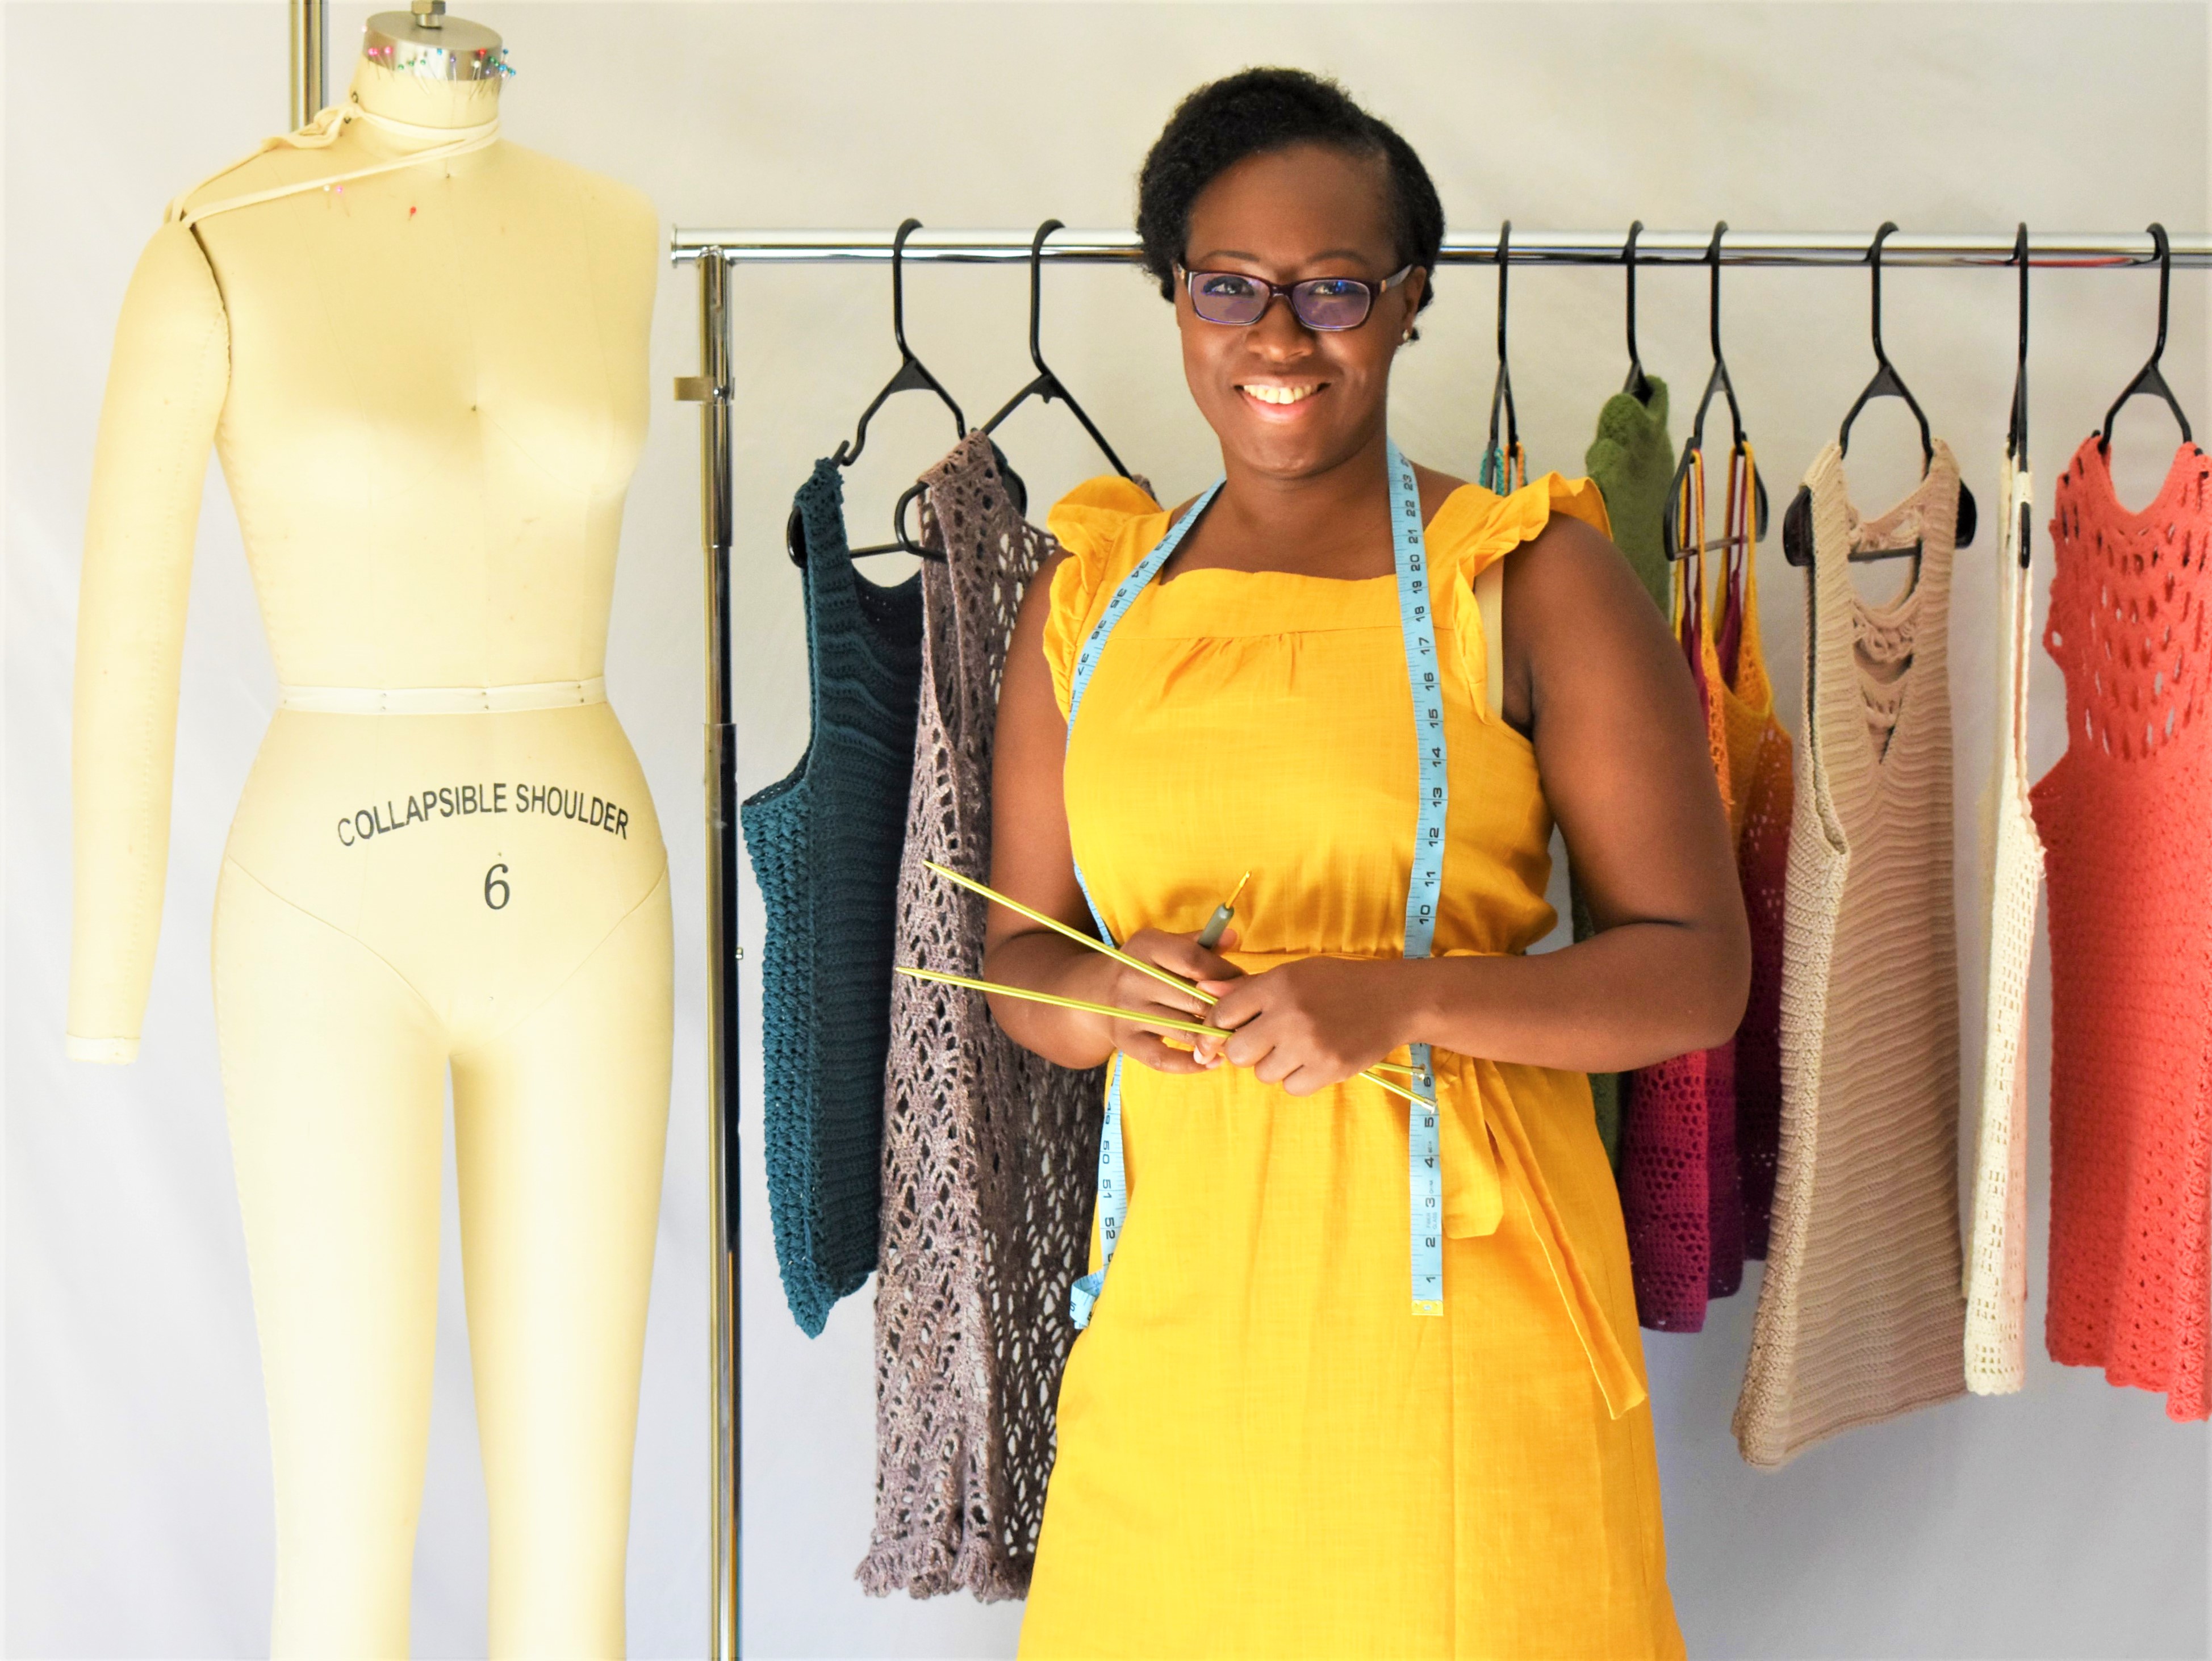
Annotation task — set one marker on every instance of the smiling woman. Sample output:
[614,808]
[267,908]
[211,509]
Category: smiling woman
[1354,1380]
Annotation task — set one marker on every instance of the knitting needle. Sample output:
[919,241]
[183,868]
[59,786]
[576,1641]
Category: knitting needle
[1106,1009]
[1111,1011]
[1166,978]
[1054,998]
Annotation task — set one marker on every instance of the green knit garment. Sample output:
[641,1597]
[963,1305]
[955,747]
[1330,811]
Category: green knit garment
[1632,460]
[825,842]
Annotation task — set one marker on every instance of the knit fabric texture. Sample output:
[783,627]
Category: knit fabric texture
[1862,1317]
[1679,1191]
[2012,867]
[824,846]
[1761,787]
[989,1150]
[2121,817]
[1632,461]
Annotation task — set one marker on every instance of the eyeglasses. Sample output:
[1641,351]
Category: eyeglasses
[1239,299]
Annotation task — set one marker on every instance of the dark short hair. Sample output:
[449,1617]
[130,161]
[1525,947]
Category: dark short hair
[1256,111]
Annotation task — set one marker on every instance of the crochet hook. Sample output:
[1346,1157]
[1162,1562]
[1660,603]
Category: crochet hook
[1164,977]
[1217,924]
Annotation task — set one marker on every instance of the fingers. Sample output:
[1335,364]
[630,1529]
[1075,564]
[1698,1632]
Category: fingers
[1147,1049]
[1239,1001]
[1181,954]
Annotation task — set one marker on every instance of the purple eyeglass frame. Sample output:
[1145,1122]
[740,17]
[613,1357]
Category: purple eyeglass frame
[1290,292]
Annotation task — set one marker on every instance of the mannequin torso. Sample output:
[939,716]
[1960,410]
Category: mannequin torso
[436,398]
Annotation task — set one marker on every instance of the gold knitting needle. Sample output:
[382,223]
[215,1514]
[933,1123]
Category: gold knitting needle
[1164,977]
[1105,1009]
[1140,965]
[1054,998]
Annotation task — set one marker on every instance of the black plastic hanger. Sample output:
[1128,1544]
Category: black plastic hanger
[1047,386]
[1499,465]
[2016,432]
[1797,523]
[1638,384]
[1693,447]
[2151,378]
[911,376]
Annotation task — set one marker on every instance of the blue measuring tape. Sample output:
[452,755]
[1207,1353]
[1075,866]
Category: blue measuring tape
[1425,1174]
[1425,887]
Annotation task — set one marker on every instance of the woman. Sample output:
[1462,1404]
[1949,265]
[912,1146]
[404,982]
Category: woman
[1275,1440]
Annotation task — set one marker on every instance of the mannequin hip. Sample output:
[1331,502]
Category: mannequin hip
[483,856]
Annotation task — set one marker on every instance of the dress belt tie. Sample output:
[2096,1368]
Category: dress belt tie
[1484,1147]
[442,700]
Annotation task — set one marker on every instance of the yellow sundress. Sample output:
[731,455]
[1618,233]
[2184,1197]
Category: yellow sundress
[1262,1451]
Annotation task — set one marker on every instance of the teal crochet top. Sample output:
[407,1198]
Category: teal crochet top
[825,844]
[1633,460]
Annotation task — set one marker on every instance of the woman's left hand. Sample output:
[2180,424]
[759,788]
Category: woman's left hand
[1310,1024]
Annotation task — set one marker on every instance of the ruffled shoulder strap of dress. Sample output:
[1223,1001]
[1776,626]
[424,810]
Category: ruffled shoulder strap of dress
[1106,526]
[1475,528]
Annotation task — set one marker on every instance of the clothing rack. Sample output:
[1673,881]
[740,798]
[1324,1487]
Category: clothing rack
[715,250]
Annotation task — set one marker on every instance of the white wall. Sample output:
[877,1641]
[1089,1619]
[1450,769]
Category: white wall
[2071,1520]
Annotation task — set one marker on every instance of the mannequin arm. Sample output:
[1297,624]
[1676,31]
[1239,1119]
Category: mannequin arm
[165,385]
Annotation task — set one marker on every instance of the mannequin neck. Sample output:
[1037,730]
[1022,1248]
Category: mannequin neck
[422,102]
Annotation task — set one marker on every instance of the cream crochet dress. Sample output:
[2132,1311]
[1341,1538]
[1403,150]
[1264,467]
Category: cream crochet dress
[1862,1317]
[2012,860]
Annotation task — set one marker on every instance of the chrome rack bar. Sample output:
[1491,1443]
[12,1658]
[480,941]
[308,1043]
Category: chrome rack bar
[715,251]
[1833,248]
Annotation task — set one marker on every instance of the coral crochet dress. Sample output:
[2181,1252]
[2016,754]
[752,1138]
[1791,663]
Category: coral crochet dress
[1263,1451]
[2123,818]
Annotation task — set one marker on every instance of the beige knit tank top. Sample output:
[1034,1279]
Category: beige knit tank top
[1862,1315]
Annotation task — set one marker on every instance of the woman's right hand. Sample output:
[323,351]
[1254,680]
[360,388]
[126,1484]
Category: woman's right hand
[1129,988]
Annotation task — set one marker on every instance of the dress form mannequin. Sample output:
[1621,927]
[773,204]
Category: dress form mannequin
[427,384]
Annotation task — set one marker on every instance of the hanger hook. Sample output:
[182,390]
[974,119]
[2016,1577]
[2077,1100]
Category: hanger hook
[1713,259]
[1628,259]
[2165,280]
[907,228]
[1505,260]
[1874,254]
[1037,292]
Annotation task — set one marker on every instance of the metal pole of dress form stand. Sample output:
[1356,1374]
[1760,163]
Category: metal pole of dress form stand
[715,250]
[311,59]
[710,390]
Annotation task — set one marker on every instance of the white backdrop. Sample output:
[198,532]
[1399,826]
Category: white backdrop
[2071,1520]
